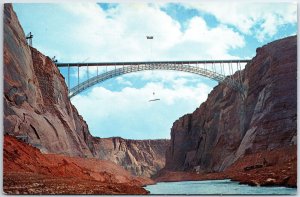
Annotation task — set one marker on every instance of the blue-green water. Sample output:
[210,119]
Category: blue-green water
[216,187]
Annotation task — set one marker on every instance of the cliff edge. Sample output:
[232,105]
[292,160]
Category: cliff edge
[230,125]
[36,103]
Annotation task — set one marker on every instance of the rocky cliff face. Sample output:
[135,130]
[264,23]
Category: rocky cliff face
[35,97]
[140,157]
[36,105]
[230,125]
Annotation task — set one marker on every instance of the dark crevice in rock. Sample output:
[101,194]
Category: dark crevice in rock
[54,129]
[35,132]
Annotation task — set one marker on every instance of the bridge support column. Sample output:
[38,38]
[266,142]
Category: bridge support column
[87,73]
[68,78]
[78,76]
[239,72]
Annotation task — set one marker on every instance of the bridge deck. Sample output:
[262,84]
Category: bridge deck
[148,62]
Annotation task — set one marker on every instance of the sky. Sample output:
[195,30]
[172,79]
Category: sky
[113,32]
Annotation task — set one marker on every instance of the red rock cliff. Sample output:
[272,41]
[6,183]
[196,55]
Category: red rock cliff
[35,97]
[226,127]
[140,157]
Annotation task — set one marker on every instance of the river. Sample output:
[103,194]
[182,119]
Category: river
[216,187]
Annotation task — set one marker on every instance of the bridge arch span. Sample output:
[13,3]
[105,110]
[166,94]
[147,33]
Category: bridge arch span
[227,80]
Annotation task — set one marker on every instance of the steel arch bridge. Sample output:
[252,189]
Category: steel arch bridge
[219,70]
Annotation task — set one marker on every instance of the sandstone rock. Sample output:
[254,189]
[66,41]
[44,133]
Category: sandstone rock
[270,180]
[140,157]
[253,183]
[229,125]
[35,97]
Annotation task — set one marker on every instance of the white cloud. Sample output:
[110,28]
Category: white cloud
[162,76]
[130,114]
[115,36]
[261,19]
[123,81]
[200,34]
[119,34]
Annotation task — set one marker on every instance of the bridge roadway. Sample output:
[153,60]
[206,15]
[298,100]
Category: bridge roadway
[205,68]
[79,64]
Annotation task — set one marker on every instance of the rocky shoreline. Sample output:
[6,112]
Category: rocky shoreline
[27,171]
[267,168]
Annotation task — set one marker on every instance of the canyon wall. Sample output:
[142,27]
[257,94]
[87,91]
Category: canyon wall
[229,125]
[140,157]
[36,105]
